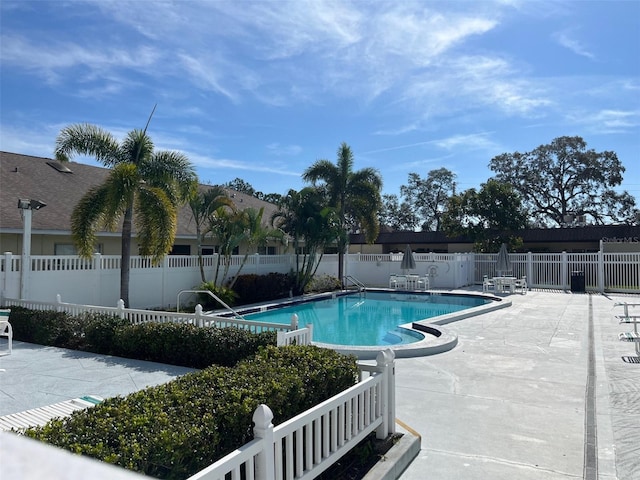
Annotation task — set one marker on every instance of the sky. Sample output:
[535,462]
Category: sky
[260,90]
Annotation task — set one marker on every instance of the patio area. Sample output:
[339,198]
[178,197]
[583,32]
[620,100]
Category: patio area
[540,390]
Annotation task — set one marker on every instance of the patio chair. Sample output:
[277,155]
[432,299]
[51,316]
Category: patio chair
[5,328]
[423,283]
[521,283]
[393,281]
[488,284]
[401,281]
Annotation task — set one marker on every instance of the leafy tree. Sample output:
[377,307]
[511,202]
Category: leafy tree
[564,178]
[151,184]
[354,196]
[488,216]
[429,196]
[204,203]
[312,225]
[398,216]
[241,186]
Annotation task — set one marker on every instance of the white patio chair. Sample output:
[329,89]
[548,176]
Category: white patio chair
[521,283]
[401,281]
[393,281]
[5,328]
[423,283]
[488,284]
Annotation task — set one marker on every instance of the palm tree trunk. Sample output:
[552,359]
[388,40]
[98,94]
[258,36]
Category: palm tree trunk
[125,260]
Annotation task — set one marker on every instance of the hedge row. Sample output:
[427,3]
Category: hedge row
[175,430]
[172,343]
[251,288]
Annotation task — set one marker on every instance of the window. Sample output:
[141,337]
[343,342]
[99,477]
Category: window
[180,250]
[267,251]
[209,249]
[70,249]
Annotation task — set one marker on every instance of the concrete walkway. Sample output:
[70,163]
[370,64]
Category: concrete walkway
[511,400]
[515,399]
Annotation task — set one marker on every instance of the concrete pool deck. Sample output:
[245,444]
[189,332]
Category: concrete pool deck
[515,399]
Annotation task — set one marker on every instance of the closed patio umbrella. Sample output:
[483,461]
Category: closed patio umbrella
[408,262]
[503,263]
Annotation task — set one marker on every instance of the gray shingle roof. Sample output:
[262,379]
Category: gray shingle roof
[28,177]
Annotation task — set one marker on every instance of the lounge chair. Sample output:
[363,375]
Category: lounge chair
[5,329]
[39,416]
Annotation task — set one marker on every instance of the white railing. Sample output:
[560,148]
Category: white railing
[306,445]
[300,336]
[137,316]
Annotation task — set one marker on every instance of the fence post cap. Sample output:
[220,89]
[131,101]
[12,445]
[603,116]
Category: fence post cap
[262,416]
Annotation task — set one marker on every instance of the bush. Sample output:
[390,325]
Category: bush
[253,288]
[177,429]
[225,294]
[323,283]
[172,343]
[47,327]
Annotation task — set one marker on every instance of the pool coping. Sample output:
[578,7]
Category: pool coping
[438,339]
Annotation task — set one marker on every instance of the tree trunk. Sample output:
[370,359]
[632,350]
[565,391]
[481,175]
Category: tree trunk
[125,259]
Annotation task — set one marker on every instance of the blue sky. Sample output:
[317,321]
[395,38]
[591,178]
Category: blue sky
[261,90]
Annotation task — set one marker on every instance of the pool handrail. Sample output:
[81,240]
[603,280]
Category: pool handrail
[238,315]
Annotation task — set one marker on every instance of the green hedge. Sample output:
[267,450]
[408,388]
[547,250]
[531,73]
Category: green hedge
[173,343]
[175,430]
[253,288]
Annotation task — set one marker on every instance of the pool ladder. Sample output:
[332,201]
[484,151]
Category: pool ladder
[361,286]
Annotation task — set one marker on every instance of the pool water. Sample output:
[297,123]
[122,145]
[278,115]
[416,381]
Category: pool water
[368,319]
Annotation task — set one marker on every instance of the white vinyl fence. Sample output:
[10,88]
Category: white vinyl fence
[306,445]
[96,281]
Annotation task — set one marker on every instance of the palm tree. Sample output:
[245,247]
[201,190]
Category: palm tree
[203,205]
[153,184]
[312,225]
[355,197]
[255,235]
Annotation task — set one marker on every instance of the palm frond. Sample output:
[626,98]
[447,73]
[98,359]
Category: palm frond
[86,139]
[156,222]
[87,217]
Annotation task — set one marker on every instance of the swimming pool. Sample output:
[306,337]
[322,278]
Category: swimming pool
[371,318]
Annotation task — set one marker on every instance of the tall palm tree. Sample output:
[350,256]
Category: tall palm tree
[355,196]
[153,184]
[204,204]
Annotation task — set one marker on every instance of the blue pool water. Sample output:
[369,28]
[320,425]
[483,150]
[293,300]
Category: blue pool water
[368,319]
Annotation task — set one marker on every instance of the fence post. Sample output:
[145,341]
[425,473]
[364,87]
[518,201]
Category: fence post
[564,270]
[529,270]
[294,321]
[199,316]
[385,360]
[58,302]
[263,429]
[121,308]
[600,271]
[97,278]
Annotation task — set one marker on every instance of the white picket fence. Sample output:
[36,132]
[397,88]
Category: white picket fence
[306,445]
[137,316]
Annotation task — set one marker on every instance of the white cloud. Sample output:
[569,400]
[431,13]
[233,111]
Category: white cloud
[567,41]
[606,121]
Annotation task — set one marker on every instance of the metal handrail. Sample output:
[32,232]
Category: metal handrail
[211,294]
[355,281]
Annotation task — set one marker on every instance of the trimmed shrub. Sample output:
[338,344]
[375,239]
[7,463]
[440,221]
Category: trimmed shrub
[253,288]
[172,343]
[175,430]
